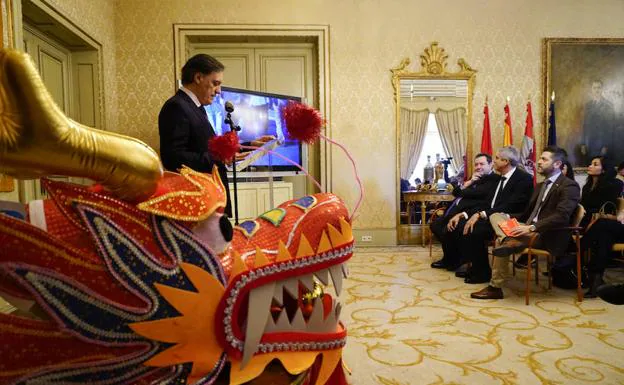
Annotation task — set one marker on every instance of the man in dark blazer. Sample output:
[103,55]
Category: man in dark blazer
[551,207]
[183,124]
[511,195]
[472,193]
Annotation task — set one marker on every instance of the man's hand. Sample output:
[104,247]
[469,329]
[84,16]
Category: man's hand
[469,226]
[620,217]
[241,155]
[520,230]
[469,182]
[259,142]
[452,224]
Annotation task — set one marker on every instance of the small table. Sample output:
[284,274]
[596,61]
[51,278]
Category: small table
[424,197]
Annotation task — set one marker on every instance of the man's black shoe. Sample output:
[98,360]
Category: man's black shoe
[441,264]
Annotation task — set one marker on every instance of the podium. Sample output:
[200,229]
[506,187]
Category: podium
[251,158]
[257,154]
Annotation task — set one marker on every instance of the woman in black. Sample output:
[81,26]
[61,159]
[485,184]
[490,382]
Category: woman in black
[600,188]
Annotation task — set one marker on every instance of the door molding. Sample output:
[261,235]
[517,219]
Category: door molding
[317,34]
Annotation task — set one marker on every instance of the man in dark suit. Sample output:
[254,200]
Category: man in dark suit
[511,195]
[472,193]
[551,208]
[183,123]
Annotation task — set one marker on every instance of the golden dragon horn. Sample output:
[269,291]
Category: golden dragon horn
[37,139]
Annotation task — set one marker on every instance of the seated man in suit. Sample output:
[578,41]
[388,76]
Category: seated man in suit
[473,192]
[511,195]
[551,208]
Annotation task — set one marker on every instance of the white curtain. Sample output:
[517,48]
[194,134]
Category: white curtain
[413,128]
[452,126]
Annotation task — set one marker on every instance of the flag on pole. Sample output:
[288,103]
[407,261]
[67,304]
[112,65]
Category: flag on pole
[552,127]
[507,138]
[486,138]
[527,153]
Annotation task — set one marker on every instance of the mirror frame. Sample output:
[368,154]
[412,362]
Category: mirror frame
[433,62]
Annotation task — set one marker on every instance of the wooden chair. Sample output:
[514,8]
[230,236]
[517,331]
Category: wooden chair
[534,252]
[619,247]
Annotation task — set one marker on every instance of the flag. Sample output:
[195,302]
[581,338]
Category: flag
[552,127]
[527,153]
[486,138]
[507,138]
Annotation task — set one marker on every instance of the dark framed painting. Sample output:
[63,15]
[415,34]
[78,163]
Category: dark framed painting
[587,77]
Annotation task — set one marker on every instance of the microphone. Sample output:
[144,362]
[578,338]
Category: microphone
[229,107]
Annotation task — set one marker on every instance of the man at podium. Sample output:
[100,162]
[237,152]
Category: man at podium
[183,124]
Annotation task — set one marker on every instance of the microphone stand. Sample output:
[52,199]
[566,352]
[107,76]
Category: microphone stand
[228,121]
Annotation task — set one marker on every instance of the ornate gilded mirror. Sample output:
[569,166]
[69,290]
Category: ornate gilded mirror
[433,116]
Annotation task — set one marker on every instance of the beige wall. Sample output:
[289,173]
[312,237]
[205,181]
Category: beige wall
[96,18]
[499,38]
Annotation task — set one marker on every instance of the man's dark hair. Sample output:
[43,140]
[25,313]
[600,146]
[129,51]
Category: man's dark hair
[558,154]
[202,63]
[620,166]
[487,156]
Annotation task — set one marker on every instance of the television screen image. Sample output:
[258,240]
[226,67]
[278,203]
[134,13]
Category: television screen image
[258,114]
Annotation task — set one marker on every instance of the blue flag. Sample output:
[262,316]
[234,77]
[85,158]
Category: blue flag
[552,127]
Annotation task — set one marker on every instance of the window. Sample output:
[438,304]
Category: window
[431,147]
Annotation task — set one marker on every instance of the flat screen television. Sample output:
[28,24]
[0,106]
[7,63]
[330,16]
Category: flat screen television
[258,114]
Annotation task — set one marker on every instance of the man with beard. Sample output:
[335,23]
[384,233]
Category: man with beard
[551,208]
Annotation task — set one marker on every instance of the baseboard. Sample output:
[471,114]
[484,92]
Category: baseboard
[378,237]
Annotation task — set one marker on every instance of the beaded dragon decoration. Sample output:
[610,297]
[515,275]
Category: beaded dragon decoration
[118,285]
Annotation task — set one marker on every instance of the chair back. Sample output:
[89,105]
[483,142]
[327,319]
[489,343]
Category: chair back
[578,215]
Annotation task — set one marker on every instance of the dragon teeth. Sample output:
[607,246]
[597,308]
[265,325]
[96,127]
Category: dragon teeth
[336,274]
[307,281]
[260,306]
[323,276]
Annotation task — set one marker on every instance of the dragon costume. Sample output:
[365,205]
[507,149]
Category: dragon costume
[141,279]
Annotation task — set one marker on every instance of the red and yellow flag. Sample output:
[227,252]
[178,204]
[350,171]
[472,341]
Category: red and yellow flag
[527,152]
[507,138]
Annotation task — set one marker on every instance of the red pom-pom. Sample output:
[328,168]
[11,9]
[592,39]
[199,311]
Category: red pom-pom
[224,147]
[302,122]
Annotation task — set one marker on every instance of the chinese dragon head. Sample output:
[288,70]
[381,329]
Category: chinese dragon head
[141,279]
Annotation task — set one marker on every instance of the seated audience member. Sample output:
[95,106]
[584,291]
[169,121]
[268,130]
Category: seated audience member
[601,187]
[568,170]
[471,193]
[551,208]
[511,195]
[600,238]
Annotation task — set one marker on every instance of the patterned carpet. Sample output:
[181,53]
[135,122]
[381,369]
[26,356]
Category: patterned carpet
[410,324]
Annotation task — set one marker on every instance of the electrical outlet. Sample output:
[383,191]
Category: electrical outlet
[367,238]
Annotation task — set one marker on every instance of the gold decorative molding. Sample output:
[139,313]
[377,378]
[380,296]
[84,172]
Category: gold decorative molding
[433,66]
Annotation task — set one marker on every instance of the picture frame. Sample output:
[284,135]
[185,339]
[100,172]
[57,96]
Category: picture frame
[586,78]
